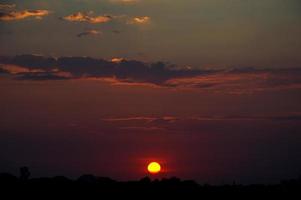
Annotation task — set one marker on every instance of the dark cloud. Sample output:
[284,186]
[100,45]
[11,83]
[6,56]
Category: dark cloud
[86,66]
[240,80]
[40,76]
[3,71]
[156,73]
[125,70]
[30,61]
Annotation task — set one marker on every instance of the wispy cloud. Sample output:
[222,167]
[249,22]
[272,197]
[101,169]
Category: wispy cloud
[91,32]
[7,6]
[141,128]
[117,60]
[173,123]
[19,15]
[171,119]
[88,17]
[140,20]
[146,119]
[140,118]
[244,80]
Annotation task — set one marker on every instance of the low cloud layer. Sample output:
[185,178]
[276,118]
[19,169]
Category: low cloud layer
[152,120]
[166,122]
[128,71]
[159,74]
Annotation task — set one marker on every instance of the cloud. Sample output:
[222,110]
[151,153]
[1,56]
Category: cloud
[156,121]
[172,123]
[19,15]
[7,6]
[128,71]
[141,128]
[149,119]
[30,61]
[279,117]
[15,69]
[142,123]
[88,17]
[245,80]
[42,76]
[119,71]
[3,71]
[89,32]
[142,118]
[140,20]
[117,60]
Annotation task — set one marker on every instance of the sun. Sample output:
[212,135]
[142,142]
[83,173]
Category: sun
[154,167]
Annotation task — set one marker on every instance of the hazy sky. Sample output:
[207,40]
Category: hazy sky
[222,105]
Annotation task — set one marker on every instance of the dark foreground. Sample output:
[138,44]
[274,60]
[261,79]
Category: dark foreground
[92,187]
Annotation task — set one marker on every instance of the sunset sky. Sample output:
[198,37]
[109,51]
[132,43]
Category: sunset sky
[211,89]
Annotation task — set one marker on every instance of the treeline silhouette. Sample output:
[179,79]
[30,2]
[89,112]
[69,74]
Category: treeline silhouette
[88,186]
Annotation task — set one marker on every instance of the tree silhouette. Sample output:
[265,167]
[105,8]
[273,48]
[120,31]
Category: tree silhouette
[24,173]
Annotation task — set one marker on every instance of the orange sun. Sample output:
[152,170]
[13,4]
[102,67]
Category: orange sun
[154,167]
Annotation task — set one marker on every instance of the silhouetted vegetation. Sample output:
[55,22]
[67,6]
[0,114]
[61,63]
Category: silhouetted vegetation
[101,187]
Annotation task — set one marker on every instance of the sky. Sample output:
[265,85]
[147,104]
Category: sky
[209,88]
